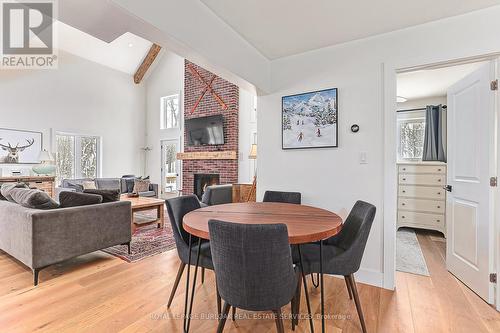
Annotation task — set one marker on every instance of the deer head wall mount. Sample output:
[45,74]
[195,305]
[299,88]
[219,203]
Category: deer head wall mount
[13,152]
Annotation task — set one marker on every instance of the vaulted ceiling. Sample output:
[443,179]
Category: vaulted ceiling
[125,53]
[279,28]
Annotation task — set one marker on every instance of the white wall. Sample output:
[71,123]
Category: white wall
[166,78]
[333,178]
[79,97]
[247,118]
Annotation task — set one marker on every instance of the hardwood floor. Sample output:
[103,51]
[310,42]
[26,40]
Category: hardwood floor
[100,293]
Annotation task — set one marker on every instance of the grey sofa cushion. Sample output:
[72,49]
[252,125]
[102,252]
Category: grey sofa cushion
[76,187]
[64,182]
[8,187]
[76,199]
[108,183]
[107,195]
[33,198]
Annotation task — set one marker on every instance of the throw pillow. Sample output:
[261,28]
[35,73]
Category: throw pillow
[107,195]
[141,185]
[75,199]
[129,183]
[8,187]
[89,185]
[76,187]
[33,198]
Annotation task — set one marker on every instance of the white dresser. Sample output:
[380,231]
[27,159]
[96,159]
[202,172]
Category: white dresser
[421,197]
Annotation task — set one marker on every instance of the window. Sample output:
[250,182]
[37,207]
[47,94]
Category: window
[411,138]
[77,156]
[169,112]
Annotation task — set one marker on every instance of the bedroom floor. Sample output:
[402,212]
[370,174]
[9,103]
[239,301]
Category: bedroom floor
[440,302]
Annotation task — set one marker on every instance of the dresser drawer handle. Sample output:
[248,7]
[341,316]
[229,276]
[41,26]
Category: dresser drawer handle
[439,169]
[439,193]
[403,191]
[439,180]
[439,206]
[403,217]
[404,169]
[404,178]
[402,204]
[438,220]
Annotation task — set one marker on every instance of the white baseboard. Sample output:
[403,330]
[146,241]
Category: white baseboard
[371,277]
[368,276]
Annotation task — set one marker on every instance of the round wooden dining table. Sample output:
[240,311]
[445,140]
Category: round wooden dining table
[305,224]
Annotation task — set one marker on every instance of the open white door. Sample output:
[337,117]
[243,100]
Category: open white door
[471,149]
[170,167]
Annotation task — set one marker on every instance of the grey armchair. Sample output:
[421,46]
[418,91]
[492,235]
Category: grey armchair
[217,195]
[284,197]
[253,266]
[342,254]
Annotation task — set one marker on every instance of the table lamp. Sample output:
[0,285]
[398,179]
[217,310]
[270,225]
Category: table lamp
[46,167]
[253,156]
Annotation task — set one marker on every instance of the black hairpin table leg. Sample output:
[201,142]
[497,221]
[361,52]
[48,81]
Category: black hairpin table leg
[188,310]
[322,287]
[306,291]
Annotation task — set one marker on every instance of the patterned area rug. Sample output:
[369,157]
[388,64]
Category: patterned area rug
[146,242]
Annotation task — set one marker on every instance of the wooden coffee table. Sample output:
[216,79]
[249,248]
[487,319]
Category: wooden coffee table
[141,204]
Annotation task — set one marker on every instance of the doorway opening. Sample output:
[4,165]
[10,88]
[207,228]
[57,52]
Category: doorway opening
[170,168]
[446,153]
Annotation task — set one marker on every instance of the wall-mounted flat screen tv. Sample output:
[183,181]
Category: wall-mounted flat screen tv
[205,131]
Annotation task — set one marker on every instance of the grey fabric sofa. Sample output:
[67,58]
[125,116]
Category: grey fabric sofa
[40,238]
[105,184]
[217,195]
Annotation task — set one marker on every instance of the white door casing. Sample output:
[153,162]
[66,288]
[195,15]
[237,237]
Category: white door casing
[471,133]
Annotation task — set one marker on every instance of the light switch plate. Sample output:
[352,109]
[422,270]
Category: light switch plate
[362,158]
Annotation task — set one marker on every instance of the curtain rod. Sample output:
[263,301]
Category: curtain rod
[420,109]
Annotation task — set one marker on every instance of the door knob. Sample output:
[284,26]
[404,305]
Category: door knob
[448,188]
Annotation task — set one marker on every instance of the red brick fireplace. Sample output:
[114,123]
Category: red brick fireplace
[209,106]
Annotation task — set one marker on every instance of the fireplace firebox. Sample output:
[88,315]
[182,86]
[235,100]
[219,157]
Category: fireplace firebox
[202,180]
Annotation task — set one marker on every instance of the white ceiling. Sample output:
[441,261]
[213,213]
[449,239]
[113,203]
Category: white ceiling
[432,83]
[279,28]
[124,54]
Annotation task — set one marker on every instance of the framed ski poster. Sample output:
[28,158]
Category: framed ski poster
[309,120]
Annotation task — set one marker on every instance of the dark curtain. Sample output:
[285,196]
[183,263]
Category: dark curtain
[433,139]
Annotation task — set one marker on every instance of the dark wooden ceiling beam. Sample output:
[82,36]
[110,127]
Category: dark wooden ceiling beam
[146,63]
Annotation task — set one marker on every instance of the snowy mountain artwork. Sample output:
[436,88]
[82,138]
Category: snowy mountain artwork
[309,120]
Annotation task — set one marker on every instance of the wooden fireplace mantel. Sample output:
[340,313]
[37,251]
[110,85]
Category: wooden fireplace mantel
[208,155]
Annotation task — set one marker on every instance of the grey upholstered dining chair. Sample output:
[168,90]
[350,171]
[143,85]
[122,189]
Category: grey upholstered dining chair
[342,253]
[253,267]
[177,208]
[283,197]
